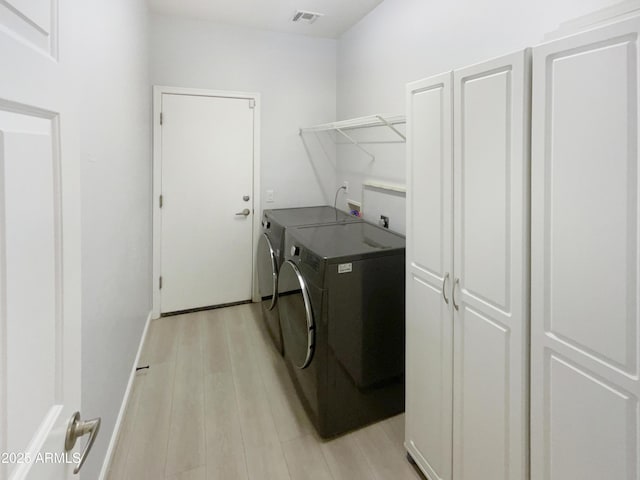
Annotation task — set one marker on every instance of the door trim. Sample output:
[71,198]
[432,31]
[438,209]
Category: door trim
[158,91]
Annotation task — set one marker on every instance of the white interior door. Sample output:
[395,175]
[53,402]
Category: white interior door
[491,254]
[39,247]
[585,331]
[207,206]
[429,253]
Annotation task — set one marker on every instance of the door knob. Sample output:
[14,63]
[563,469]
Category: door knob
[78,428]
[244,212]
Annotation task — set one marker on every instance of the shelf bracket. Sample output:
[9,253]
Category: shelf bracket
[355,142]
[384,120]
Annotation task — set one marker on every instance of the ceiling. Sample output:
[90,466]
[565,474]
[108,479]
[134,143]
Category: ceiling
[339,15]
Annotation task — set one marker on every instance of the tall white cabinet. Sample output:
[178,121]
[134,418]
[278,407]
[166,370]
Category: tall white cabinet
[429,249]
[585,333]
[467,275]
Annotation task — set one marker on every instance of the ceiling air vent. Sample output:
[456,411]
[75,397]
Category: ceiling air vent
[302,16]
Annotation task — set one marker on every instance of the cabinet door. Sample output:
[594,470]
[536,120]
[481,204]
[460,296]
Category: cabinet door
[429,327]
[491,257]
[584,330]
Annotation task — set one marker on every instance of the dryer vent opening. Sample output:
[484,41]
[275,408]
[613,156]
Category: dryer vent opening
[302,16]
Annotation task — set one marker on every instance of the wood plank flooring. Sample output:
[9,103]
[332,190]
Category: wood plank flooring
[217,403]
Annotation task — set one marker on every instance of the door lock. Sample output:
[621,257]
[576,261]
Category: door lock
[78,428]
[246,198]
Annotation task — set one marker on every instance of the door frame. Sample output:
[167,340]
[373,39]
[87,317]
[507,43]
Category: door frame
[158,91]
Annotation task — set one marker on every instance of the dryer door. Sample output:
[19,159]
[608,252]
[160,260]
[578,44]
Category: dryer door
[296,316]
[267,273]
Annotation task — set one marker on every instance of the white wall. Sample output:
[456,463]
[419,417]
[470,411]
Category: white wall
[405,40]
[106,45]
[295,75]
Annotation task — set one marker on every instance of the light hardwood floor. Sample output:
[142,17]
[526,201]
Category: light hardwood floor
[217,403]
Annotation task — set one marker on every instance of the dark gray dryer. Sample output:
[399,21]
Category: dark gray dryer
[341,298]
[270,257]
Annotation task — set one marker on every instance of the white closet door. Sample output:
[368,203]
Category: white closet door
[40,239]
[429,327]
[585,355]
[207,188]
[491,256]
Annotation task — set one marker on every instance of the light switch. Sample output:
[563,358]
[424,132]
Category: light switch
[270,196]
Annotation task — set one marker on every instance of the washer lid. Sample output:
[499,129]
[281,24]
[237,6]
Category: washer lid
[296,316]
[353,240]
[291,217]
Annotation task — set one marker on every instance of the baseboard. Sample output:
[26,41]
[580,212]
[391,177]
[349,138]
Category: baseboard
[123,407]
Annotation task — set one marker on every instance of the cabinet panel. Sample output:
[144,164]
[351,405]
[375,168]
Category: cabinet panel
[491,252]
[592,234]
[430,160]
[485,161]
[574,448]
[483,420]
[429,255]
[33,22]
[28,207]
[428,401]
[584,332]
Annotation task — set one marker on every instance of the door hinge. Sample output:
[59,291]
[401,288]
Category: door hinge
[161,201]
[161,118]
[160,283]
[252,103]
